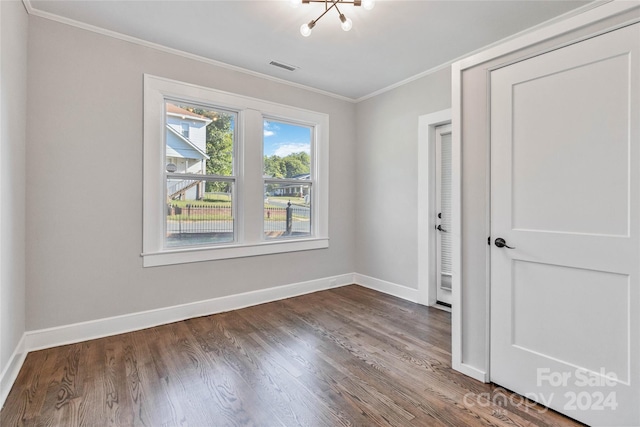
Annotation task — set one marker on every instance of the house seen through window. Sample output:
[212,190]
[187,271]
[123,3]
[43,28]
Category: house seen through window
[199,175]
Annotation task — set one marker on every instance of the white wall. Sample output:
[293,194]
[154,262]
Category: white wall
[84,204]
[13,92]
[387,186]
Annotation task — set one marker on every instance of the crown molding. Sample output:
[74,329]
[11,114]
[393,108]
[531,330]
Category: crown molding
[473,54]
[114,34]
[535,28]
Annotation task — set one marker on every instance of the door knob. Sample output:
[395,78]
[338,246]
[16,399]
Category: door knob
[500,242]
[439,227]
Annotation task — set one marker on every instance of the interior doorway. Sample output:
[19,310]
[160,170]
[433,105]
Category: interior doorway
[436,208]
[443,214]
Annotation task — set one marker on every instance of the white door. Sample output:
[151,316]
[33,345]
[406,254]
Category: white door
[443,214]
[565,187]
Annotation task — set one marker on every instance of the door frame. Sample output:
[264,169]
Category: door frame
[427,278]
[564,26]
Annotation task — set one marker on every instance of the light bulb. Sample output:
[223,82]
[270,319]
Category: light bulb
[346,22]
[305,29]
[295,3]
[368,4]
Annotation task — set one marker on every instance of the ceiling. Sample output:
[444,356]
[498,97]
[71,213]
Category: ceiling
[391,43]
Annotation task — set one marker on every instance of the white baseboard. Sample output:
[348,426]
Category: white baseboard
[10,373]
[83,331]
[383,286]
[472,372]
[78,332]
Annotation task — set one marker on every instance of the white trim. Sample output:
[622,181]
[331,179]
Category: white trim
[596,13]
[2,144]
[587,17]
[408,80]
[441,307]
[71,22]
[249,189]
[183,256]
[447,64]
[400,291]
[94,329]
[83,331]
[426,202]
[88,27]
[474,373]
[11,371]
[456,220]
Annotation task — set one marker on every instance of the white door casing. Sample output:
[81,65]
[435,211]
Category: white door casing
[427,253]
[565,192]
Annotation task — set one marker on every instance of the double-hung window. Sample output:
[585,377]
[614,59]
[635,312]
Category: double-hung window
[229,176]
[288,182]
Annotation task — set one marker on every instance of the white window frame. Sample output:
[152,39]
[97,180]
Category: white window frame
[310,182]
[249,187]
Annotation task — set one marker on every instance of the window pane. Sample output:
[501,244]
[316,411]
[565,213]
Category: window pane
[199,212]
[199,140]
[287,210]
[287,150]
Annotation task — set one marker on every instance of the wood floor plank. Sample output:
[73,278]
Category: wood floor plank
[348,356]
[272,376]
[315,382]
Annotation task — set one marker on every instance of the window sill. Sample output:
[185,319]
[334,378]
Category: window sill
[188,255]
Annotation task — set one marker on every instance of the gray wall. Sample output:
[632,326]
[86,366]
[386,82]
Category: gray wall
[387,181]
[83,205]
[84,208]
[13,107]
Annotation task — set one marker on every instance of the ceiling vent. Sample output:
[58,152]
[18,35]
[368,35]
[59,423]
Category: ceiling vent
[284,66]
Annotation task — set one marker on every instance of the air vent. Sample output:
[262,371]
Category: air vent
[284,66]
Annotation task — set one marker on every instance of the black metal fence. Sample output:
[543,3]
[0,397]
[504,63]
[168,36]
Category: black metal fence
[288,220]
[199,219]
[192,219]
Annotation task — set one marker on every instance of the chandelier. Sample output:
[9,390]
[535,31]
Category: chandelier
[345,22]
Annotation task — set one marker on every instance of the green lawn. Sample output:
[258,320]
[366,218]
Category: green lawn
[210,199]
[222,205]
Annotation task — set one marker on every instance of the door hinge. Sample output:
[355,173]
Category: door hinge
[489,240]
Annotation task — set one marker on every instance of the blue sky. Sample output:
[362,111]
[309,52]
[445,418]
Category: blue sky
[283,139]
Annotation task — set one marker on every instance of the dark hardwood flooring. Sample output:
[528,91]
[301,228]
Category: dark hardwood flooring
[344,357]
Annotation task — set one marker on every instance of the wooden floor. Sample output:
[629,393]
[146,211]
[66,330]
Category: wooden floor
[348,356]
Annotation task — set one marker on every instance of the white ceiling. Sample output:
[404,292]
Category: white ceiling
[391,43]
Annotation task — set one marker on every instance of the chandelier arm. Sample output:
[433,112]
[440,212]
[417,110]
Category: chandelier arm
[346,23]
[327,9]
[353,2]
[335,3]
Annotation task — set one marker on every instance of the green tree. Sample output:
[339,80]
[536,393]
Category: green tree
[219,145]
[287,167]
[274,167]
